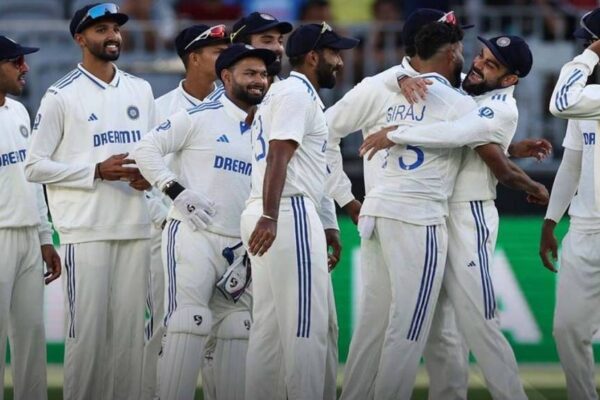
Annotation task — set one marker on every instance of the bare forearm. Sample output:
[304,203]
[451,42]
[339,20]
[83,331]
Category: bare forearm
[274,180]
[516,178]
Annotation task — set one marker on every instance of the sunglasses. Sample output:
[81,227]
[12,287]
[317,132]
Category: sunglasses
[98,11]
[18,61]
[324,28]
[215,32]
[449,18]
[584,26]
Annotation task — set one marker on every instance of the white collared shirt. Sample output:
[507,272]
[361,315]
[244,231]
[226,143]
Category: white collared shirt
[178,99]
[211,145]
[82,121]
[292,110]
[22,203]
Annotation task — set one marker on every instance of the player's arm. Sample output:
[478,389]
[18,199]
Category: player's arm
[49,254]
[358,109]
[328,218]
[171,136]
[571,97]
[510,175]
[279,155]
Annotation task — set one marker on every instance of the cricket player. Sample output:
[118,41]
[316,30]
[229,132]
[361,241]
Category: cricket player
[281,218]
[576,316]
[366,108]
[26,236]
[198,46]
[87,123]
[202,237]
[473,218]
[407,210]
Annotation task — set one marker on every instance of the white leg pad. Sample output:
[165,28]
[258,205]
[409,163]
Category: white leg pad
[183,351]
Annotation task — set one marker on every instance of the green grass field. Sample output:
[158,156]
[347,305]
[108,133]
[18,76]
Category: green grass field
[542,382]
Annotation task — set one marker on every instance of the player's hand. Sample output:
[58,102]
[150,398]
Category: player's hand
[535,148]
[375,142]
[52,260]
[548,244]
[138,182]
[414,89]
[539,195]
[195,208]
[332,237]
[353,210]
[114,168]
[262,237]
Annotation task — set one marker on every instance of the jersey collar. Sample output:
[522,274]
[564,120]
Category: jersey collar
[231,109]
[498,92]
[311,88]
[190,99]
[407,67]
[115,81]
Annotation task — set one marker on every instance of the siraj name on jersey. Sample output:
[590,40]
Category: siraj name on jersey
[104,138]
[402,112]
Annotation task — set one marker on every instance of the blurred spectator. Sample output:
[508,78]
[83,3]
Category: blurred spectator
[351,11]
[408,6]
[159,17]
[316,11]
[284,10]
[208,10]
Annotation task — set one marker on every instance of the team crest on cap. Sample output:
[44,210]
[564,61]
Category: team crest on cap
[249,47]
[503,41]
[24,131]
[133,112]
[267,16]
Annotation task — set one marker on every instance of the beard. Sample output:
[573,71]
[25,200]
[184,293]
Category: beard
[244,94]
[274,68]
[326,74]
[10,86]
[476,89]
[100,51]
[457,75]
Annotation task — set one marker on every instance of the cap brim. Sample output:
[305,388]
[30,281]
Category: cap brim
[119,18]
[581,33]
[494,49]
[266,55]
[207,42]
[342,43]
[26,50]
[282,27]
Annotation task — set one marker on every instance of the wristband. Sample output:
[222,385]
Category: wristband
[268,217]
[173,189]
[98,171]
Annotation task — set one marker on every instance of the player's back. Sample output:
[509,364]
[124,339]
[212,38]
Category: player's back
[416,182]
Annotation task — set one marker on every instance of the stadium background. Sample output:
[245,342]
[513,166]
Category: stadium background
[525,290]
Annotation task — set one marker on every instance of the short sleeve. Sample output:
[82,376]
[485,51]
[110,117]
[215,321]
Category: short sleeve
[574,137]
[291,113]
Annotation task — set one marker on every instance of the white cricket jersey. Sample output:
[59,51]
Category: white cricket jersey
[417,182]
[292,110]
[211,144]
[493,121]
[82,121]
[22,203]
[178,99]
[581,136]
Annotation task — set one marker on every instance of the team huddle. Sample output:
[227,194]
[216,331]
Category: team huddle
[198,230]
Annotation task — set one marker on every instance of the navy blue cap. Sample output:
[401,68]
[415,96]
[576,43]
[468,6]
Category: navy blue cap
[11,49]
[238,51]
[89,14]
[316,36]
[191,38]
[419,18]
[591,21]
[257,22]
[512,52]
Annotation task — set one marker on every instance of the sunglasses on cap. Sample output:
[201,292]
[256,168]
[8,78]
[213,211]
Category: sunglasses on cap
[216,32]
[449,18]
[584,26]
[324,28]
[98,11]
[18,61]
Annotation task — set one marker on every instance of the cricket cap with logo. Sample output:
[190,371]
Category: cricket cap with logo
[512,52]
[423,16]
[11,49]
[589,26]
[257,22]
[87,15]
[198,36]
[314,37]
[239,51]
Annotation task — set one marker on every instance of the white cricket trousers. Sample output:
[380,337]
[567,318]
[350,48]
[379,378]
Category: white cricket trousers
[577,313]
[105,291]
[287,349]
[472,233]
[154,330]
[445,353]
[21,312]
[414,257]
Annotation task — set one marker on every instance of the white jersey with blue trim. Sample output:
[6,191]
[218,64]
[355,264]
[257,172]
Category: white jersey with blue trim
[292,110]
[582,136]
[22,203]
[417,182]
[82,121]
[211,145]
[178,99]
